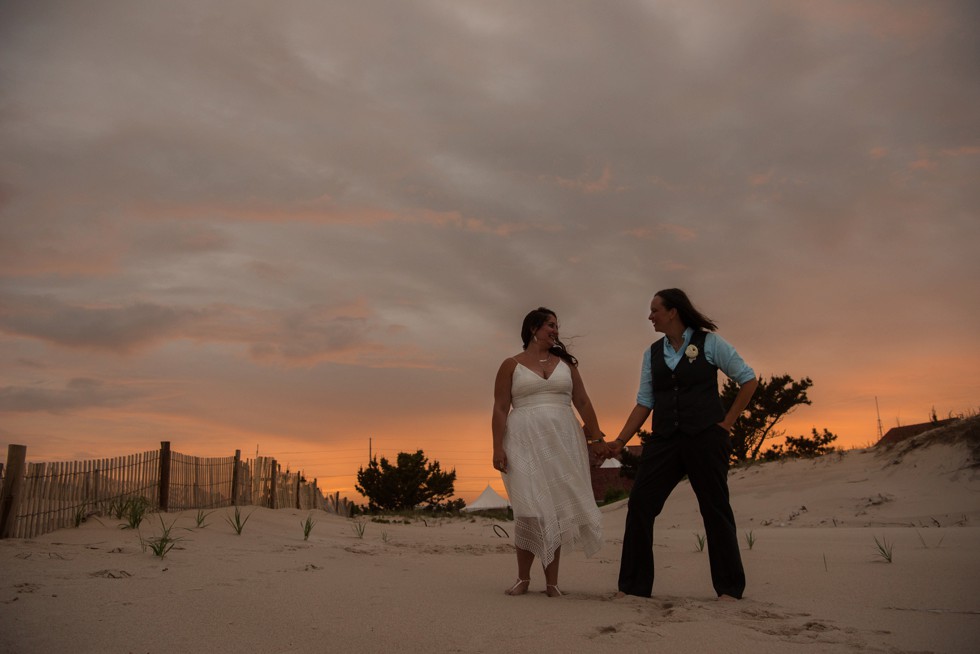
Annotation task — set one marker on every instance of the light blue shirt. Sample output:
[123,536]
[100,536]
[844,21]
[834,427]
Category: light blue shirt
[717,351]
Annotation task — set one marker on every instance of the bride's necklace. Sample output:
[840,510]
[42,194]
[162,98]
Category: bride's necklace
[545,360]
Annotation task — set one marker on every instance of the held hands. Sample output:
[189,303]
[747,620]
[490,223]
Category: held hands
[600,450]
[616,448]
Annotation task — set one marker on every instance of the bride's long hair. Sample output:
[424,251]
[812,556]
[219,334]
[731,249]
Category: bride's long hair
[533,322]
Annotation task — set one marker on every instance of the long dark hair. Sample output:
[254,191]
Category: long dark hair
[675,298]
[533,322]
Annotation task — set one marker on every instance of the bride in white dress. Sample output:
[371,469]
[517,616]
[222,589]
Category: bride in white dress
[541,451]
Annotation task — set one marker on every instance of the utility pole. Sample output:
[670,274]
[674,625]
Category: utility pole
[369,449]
[878,411]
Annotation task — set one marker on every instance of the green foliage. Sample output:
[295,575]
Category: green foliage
[412,482]
[884,548]
[201,516]
[307,526]
[701,540]
[803,447]
[237,523]
[614,495]
[116,508]
[504,515]
[358,526]
[772,401]
[451,506]
[135,509]
[750,538]
[162,544]
[80,514]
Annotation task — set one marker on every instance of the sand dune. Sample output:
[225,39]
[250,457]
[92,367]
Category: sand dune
[816,582]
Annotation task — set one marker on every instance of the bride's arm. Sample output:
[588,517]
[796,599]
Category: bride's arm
[583,404]
[501,407]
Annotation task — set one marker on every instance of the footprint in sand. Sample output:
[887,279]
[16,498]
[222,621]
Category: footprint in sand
[111,574]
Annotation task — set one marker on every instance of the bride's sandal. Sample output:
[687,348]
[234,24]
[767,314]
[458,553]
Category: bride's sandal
[518,588]
[552,591]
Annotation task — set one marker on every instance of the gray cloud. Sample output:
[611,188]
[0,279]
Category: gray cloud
[77,394]
[367,197]
[117,329]
[347,333]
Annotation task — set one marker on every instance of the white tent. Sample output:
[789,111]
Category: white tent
[611,463]
[489,499]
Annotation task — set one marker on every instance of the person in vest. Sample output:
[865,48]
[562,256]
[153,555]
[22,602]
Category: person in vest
[690,435]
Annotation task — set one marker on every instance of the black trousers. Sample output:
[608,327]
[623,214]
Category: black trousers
[664,462]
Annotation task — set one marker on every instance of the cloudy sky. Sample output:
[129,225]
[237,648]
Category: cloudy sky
[298,227]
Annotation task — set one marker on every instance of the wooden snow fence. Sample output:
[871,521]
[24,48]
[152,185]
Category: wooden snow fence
[36,498]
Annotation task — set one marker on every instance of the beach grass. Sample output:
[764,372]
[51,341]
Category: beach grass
[80,514]
[238,523]
[884,548]
[307,526]
[161,545]
[135,509]
[201,517]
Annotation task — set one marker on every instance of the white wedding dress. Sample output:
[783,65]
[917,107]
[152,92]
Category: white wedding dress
[547,477]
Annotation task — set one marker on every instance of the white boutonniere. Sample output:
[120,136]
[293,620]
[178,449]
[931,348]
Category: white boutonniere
[691,353]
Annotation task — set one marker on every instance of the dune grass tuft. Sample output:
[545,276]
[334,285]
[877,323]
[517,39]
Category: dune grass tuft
[162,544]
[238,523]
[201,517]
[884,548]
[135,510]
[307,526]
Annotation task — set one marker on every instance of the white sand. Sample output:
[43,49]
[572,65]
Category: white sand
[815,580]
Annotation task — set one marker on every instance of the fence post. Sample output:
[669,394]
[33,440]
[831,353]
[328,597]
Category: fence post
[12,484]
[273,482]
[298,506]
[164,475]
[197,481]
[235,478]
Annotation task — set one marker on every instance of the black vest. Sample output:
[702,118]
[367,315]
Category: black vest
[685,399]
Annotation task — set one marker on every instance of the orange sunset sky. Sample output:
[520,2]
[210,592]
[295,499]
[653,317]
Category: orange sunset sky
[292,228]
